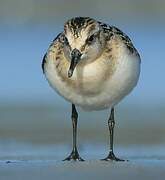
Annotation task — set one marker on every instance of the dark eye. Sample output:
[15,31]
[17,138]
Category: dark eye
[91,38]
[66,40]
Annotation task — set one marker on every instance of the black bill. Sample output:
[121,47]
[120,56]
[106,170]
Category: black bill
[75,58]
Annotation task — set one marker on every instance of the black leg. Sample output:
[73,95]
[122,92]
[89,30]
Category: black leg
[111,125]
[74,154]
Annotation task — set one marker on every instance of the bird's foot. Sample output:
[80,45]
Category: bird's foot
[74,156]
[111,157]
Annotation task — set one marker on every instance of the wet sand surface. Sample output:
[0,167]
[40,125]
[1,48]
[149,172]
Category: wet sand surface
[25,161]
[40,170]
[34,140]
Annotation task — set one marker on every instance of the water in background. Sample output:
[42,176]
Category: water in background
[32,114]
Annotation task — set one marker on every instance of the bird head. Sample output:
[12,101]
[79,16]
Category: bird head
[84,41]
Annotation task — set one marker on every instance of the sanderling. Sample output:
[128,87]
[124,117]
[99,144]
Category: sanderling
[92,65]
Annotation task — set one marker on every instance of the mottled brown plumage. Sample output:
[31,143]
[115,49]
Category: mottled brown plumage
[92,65]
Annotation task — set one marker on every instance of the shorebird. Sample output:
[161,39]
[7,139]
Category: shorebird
[92,65]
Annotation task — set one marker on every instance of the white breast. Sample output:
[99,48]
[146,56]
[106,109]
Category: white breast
[96,94]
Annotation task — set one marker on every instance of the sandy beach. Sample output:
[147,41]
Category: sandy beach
[35,123]
[35,139]
[40,170]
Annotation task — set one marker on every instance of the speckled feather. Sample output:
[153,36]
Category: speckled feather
[77,24]
[105,81]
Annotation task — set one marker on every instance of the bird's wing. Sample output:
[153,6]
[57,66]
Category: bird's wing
[55,40]
[43,62]
[110,31]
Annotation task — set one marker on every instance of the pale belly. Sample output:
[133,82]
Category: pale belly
[92,89]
